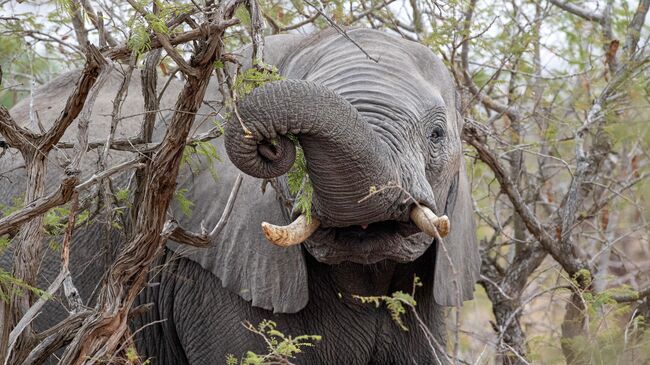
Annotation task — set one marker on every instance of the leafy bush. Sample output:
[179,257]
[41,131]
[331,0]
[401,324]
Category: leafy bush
[281,348]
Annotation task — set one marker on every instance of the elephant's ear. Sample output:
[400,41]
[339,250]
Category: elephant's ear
[271,277]
[457,257]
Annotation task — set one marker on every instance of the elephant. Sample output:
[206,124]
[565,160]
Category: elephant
[375,117]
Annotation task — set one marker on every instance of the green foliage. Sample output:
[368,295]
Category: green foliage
[133,357]
[66,6]
[55,220]
[281,348]
[299,184]
[9,286]
[140,38]
[282,15]
[157,23]
[217,123]
[242,14]
[396,303]
[82,218]
[612,344]
[21,63]
[255,77]
[17,203]
[231,360]
[184,203]
[122,195]
[139,41]
[4,243]
[201,154]
[582,278]
[613,332]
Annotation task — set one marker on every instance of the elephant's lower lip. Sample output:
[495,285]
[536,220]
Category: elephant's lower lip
[387,240]
[374,230]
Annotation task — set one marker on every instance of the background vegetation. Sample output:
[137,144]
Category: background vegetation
[556,99]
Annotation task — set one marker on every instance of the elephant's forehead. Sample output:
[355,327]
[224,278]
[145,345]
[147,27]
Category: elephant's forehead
[394,84]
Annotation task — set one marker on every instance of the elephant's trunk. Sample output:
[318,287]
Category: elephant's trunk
[345,157]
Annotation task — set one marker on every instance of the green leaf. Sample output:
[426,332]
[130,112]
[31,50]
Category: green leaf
[231,359]
[395,303]
[11,285]
[184,204]
[299,184]
[139,41]
[202,154]
[122,195]
[4,242]
[255,77]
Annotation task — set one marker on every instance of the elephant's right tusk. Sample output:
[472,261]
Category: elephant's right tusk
[429,222]
[295,233]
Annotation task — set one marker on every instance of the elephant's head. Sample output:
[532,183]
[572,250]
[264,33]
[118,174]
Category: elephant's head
[383,150]
[375,178]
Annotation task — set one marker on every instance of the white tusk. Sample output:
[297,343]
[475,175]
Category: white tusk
[429,222]
[292,234]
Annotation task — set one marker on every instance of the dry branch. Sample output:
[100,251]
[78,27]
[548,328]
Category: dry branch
[103,331]
[473,136]
[577,10]
[29,241]
[124,52]
[40,206]
[172,230]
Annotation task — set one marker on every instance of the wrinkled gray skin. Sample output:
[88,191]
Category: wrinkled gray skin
[360,124]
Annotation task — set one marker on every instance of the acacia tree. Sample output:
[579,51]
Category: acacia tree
[553,93]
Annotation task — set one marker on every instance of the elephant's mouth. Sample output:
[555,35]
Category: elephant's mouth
[358,234]
[400,241]
[368,244]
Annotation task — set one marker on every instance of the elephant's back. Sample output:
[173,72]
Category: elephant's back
[48,101]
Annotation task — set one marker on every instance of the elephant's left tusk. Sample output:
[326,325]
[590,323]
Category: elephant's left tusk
[429,222]
[295,233]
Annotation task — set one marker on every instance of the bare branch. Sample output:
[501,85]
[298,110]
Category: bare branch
[84,118]
[171,52]
[135,163]
[123,52]
[79,28]
[634,28]
[569,262]
[576,10]
[98,22]
[309,20]
[70,291]
[228,209]
[174,231]
[257,26]
[341,31]
[54,338]
[61,196]
[94,62]
[103,332]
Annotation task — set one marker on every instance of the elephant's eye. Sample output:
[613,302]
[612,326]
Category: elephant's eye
[436,134]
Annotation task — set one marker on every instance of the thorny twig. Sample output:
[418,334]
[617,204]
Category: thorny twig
[341,31]
[172,230]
